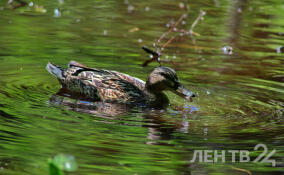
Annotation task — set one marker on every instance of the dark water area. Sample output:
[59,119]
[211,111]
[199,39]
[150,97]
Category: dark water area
[240,100]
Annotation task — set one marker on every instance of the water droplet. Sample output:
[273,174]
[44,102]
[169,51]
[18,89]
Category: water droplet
[217,4]
[67,165]
[168,25]
[147,9]
[105,32]
[183,22]
[174,57]
[280,49]
[227,50]
[205,131]
[208,92]
[31,4]
[193,108]
[57,13]
[130,8]
[239,10]
[78,20]
[65,162]
[167,57]
[181,5]
[39,8]
[140,40]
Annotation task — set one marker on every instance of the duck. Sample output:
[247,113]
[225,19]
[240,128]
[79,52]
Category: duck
[116,87]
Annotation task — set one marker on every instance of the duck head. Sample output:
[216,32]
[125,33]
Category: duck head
[165,78]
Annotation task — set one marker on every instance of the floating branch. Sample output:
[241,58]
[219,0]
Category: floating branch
[171,29]
[200,17]
[155,56]
[168,42]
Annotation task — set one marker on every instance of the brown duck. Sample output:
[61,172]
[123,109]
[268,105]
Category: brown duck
[116,87]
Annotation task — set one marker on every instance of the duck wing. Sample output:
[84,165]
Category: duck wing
[135,81]
[99,84]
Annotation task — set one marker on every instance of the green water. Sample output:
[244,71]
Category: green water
[240,96]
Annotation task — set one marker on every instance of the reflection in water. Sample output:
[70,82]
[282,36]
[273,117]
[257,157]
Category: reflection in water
[99,108]
[236,17]
[154,117]
[159,126]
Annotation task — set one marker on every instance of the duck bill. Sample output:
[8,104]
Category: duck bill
[184,93]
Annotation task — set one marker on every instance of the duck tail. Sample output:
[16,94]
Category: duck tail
[55,70]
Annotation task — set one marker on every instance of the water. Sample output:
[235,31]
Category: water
[240,95]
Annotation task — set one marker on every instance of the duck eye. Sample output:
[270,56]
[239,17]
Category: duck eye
[173,80]
[165,75]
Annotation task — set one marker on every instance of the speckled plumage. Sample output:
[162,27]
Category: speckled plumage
[112,86]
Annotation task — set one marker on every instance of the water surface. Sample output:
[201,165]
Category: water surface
[240,95]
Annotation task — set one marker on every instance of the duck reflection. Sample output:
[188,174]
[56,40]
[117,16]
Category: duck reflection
[78,103]
[160,123]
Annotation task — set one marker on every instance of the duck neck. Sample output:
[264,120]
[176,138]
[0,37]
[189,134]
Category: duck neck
[156,97]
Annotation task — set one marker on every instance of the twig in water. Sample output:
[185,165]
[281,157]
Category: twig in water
[171,29]
[242,170]
[168,42]
[155,56]
[200,16]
